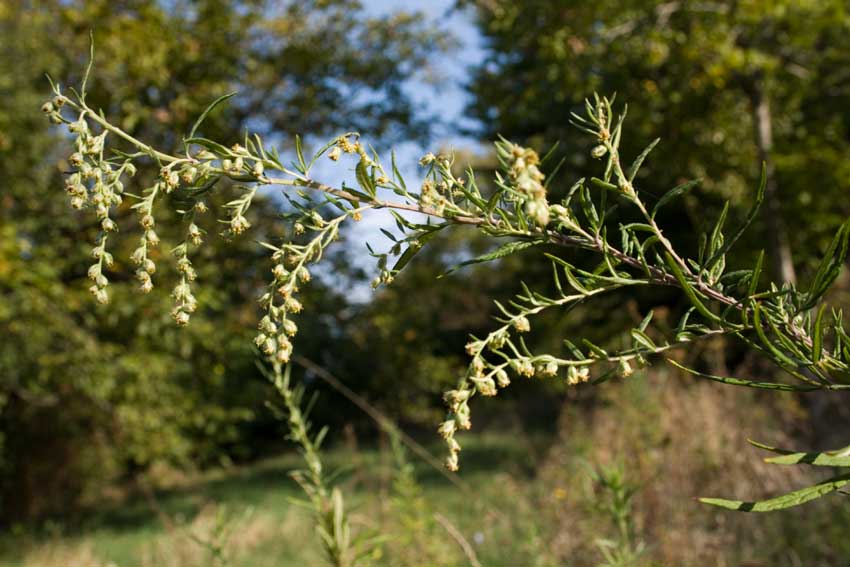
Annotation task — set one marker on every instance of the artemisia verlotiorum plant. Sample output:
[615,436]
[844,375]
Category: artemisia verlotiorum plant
[795,329]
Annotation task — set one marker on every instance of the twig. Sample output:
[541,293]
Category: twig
[458,537]
[383,421]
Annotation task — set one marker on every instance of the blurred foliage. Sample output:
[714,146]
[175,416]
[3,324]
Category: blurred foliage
[689,70]
[88,395]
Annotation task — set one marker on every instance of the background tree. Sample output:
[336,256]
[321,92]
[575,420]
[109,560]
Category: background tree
[88,396]
[725,84]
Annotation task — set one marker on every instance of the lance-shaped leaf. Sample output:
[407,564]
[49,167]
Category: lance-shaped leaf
[635,167]
[416,244]
[836,458]
[817,335]
[786,500]
[673,193]
[214,147]
[364,179]
[206,113]
[746,383]
[688,289]
[750,216]
[829,267]
[504,250]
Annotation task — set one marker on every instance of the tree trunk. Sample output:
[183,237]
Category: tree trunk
[779,249]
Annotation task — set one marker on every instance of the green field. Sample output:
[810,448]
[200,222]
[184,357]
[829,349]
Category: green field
[262,525]
[524,500]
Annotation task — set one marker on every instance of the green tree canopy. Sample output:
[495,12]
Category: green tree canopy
[89,394]
[724,84]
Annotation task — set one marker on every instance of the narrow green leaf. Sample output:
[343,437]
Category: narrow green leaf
[786,500]
[643,339]
[595,349]
[836,458]
[770,448]
[364,179]
[768,344]
[673,193]
[568,272]
[575,352]
[715,241]
[645,323]
[504,250]
[299,152]
[320,153]
[635,167]
[88,67]
[604,184]
[214,147]
[817,335]
[750,216]
[830,266]
[396,173]
[688,289]
[206,113]
[746,383]
[415,246]
[754,279]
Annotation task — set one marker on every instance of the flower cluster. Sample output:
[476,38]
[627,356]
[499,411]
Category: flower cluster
[528,182]
[145,265]
[280,303]
[785,324]
[276,328]
[94,183]
[343,144]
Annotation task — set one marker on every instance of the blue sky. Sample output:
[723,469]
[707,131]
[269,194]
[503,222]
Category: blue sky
[448,99]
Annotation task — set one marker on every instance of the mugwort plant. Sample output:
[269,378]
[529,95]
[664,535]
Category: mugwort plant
[794,328]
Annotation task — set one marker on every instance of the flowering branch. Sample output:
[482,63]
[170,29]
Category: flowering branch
[789,327]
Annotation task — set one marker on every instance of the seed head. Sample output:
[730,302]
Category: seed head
[447,429]
[550,369]
[289,327]
[599,151]
[452,462]
[521,324]
[180,317]
[269,346]
[194,234]
[292,305]
[189,174]
[486,386]
[239,224]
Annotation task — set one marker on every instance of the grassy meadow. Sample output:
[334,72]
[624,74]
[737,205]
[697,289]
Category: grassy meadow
[554,497]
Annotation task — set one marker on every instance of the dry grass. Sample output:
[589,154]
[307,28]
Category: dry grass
[679,440]
[66,554]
